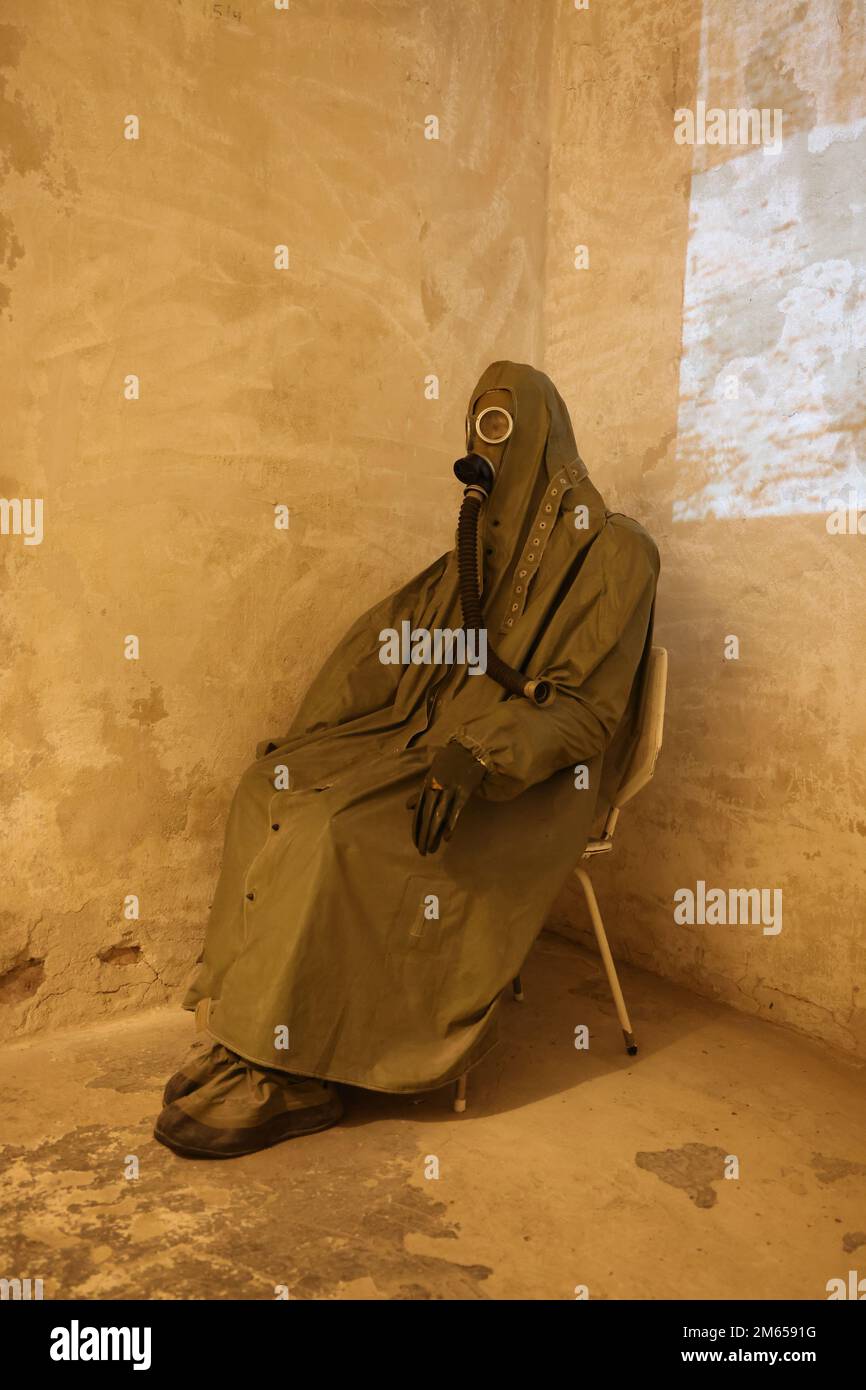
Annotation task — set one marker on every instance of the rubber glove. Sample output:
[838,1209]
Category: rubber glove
[453,776]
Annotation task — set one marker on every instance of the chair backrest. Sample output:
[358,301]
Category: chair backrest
[642,763]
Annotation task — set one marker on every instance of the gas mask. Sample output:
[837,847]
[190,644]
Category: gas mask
[487,431]
[489,426]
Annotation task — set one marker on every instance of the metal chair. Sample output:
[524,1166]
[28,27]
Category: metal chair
[639,771]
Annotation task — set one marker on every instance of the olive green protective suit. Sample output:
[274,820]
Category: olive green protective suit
[381,968]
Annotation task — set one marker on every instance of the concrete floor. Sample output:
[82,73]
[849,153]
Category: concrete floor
[569,1167]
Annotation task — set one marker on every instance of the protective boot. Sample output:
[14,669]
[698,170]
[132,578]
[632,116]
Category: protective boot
[203,1060]
[241,1109]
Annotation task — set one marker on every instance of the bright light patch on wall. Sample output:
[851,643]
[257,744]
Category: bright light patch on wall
[772,398]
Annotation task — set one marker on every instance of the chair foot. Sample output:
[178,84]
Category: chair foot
[630,1044]
[517,989]
[460,1095]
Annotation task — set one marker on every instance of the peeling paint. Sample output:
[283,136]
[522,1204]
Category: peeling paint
[833,1169]
[22,980]
[693,1169]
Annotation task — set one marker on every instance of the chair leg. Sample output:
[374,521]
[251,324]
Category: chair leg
[460,1095]
[607,958]
[517,989]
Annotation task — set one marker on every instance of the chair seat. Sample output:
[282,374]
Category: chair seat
[603,845]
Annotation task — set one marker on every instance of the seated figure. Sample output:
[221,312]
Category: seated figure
[390,859]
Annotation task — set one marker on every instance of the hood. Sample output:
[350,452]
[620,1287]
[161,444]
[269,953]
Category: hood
[540,474]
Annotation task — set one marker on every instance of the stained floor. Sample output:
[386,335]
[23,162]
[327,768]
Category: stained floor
[572,1169]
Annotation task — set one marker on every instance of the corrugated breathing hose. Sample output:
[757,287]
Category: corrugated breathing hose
[540,692]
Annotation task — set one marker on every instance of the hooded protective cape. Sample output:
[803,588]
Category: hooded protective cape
[328,931]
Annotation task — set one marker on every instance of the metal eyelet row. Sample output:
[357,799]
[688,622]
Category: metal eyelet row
[537,543]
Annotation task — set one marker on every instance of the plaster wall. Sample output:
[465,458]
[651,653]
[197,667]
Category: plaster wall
[713,356]
[307,387]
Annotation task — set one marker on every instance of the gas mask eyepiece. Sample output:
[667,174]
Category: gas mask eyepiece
[493,424]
